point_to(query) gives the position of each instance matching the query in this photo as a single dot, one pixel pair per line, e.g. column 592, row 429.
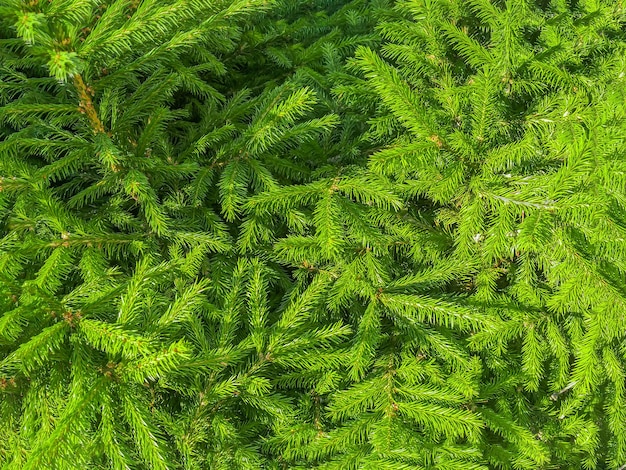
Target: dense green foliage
column 366, row 234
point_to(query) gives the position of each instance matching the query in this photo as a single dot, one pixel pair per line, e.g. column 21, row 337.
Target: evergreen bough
column 312, row 234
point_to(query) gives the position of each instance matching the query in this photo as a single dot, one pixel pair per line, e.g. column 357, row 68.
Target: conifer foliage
column 339, row 234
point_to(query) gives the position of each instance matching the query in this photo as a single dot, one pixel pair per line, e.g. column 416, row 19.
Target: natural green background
column 367, row 234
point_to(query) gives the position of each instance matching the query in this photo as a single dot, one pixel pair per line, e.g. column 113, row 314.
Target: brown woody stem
column 86, row 105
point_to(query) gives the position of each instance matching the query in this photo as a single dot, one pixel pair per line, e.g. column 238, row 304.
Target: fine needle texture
column 312, row 234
